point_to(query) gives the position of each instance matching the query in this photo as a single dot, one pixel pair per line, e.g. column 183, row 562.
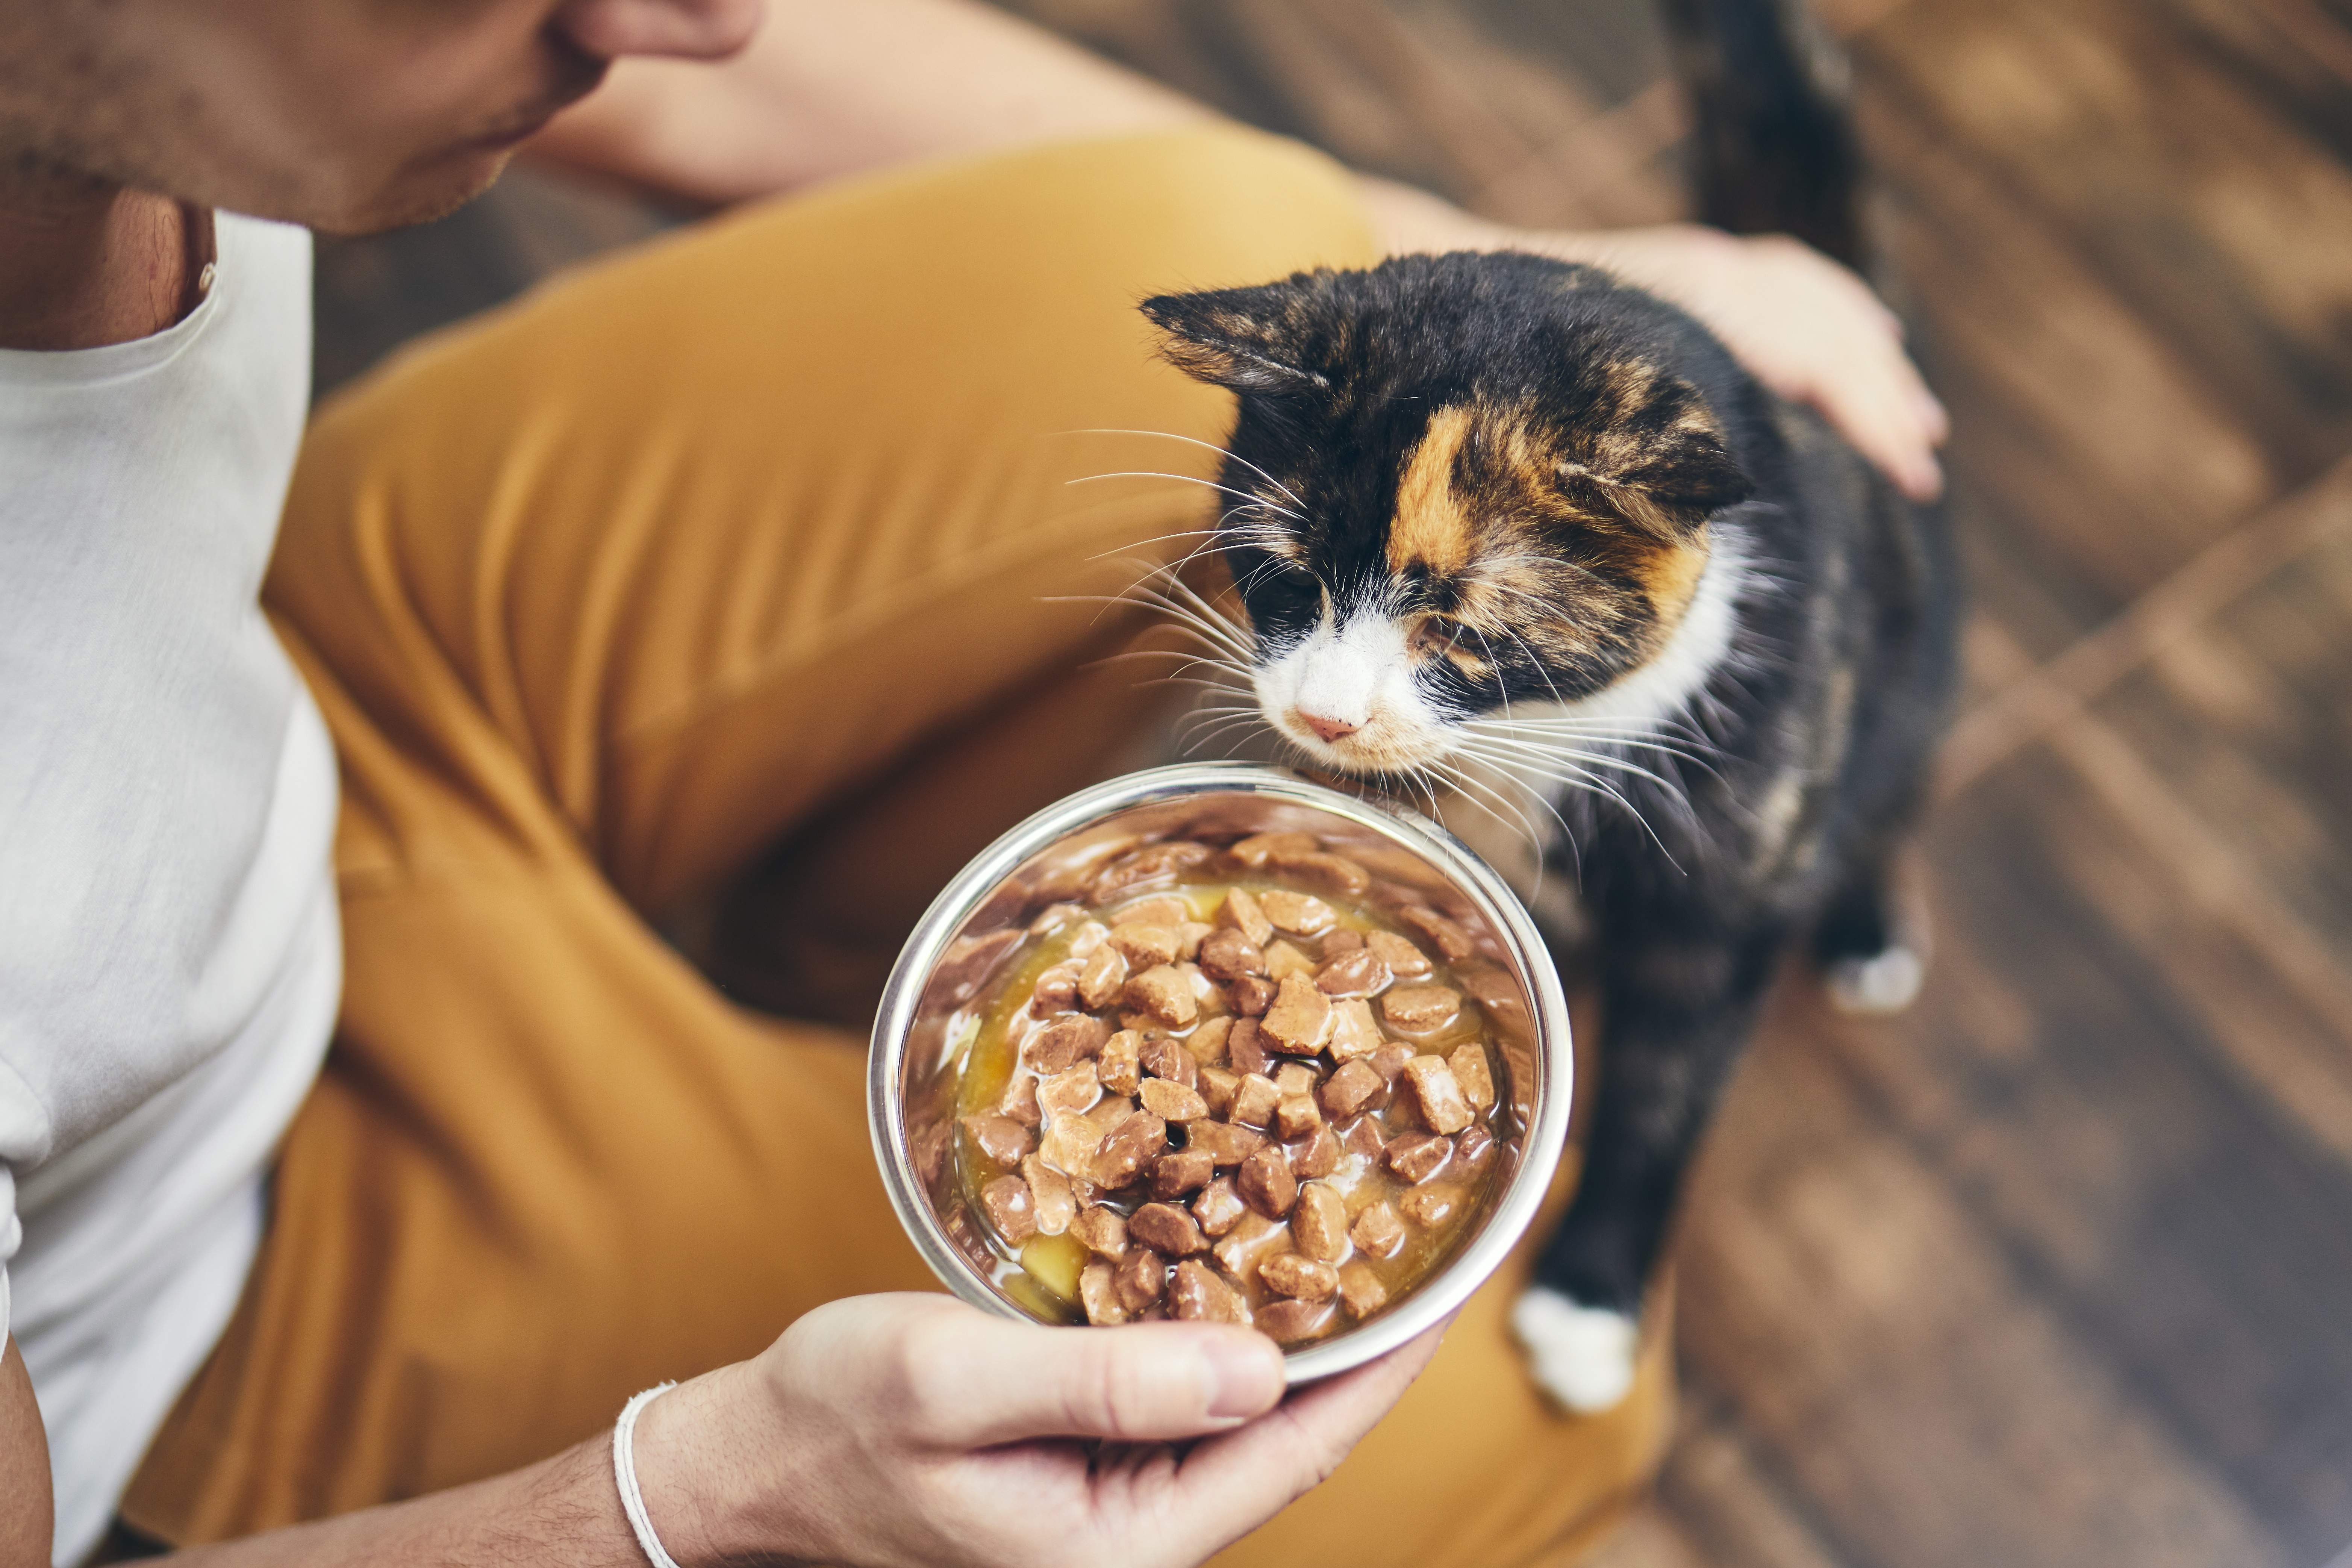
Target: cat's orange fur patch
column 1669, row 576
column 1431, row 526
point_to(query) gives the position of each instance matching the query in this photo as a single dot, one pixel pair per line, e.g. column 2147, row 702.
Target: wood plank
column 1903, row 1363
column 2179, row 187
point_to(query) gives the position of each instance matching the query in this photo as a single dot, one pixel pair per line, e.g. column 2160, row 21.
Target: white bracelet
column 624, row 1476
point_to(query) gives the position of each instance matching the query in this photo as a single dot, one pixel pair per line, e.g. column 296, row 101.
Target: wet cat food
column 1232, row 1085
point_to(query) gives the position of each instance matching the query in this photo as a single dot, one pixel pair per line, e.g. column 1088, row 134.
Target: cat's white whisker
column 1243, row 495
column 1209, row 445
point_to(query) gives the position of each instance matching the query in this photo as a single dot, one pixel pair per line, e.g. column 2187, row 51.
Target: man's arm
column 826, row 90
column 907, row 1431
column 28, row 1521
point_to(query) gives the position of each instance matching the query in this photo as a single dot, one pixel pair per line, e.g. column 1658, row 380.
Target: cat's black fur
column 1802, row 758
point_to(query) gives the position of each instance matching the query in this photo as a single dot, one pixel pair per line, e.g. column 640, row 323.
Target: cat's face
column 1475, row 483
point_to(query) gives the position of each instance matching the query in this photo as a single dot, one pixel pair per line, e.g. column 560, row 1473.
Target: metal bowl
column 983, row 916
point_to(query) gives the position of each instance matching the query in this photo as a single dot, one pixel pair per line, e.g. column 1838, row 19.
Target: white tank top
column 170, row 958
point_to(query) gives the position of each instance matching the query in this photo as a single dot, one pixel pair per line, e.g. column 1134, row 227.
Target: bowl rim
column 1545, row 1138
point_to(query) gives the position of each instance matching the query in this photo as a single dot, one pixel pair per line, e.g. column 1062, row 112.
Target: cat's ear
column 1663, row 466
column 1245, row 339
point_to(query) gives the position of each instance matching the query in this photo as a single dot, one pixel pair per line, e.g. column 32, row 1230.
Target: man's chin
column 419, row 195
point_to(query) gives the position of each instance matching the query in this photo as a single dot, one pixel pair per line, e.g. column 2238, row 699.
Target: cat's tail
column 1776, row 151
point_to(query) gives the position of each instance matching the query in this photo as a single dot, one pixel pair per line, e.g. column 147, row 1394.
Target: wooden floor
column 2057, row 1270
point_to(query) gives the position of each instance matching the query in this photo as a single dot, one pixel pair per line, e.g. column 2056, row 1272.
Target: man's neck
column 85, row 262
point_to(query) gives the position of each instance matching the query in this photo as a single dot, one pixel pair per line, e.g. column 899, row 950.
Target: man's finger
column 1230, row 1485
column 977, row 1380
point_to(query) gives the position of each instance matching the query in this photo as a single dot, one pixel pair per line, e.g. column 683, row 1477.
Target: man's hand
column 915, row 1430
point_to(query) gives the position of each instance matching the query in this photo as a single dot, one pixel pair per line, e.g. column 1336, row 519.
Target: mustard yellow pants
column 763, row 534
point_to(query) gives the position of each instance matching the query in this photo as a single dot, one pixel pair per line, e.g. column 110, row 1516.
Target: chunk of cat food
column 1198, row 1296
column 1438, row 1095
column 1058, row 990
column 1342, row 941
column 1103, row 979
column 1077, row 1089
column 1431, row 1206
column 1255, row 1099
column 1069, row 1144
column 1104, row 1230
column 1241, row 911
column 1227, row 1144
column 1287, row 1321
column 1451, row 940
column 1473, row 1148
column 1356, row 974
column 1154, row 865
column 1283, row 960
column 1109, row 1111
column 1160, row 911
column 1308, row 1279
column 1057, row 1204
column 1468, row 1061
column 1207, row 1042
column 1302, row 914
column 1416, row 1156
column 1142, row 1275
column 1010, row 1208
column 1298, row 1019
column 1295, row 1116
column 1059, row 1045
column 1353, row 1032
column 1180, row 1171
column 1001, row 1138
column 1246, row 1050
column 1238, row 1251
column 1227, row 955
column 1319, row 1224
column 1117, row 1067
column 1020, row 1101
column 1171, row 1101
column 1260, row 847
column 1379, row 1231
column 1166, row 1229
column 1360, row 1291
column 1364, row 1139
column 1189, row 936
column 1351, row 1089
column 1164, row 995
column 1402, row 957
column 1250, row 995
column 1219, row 1207
column 1098, row 1294
column 1295, row 1078
column 1419, row 1008
column 1216, row 1085
column 1333, row 874
column 1127, row 1149
column 1317, row 1155
column 1266, row 1184
column 1144, row 945
column 1390, row 1059
column 1164, row 1058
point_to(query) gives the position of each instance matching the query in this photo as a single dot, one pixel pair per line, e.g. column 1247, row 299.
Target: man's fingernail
column 1243, row 1380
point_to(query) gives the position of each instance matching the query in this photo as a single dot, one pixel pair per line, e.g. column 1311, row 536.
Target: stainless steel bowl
column 979, row 918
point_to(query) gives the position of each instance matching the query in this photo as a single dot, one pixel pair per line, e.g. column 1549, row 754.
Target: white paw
column 1582, row 1356
column 1885, row 983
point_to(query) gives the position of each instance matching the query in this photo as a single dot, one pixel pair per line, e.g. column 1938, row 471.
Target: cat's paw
column 1884, row 982
column 1581, row 1356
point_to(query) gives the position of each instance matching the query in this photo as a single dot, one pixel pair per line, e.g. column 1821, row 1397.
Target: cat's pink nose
column 1330, row 728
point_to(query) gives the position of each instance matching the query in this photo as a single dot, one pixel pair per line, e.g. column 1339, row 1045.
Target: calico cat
column 1507, row 524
